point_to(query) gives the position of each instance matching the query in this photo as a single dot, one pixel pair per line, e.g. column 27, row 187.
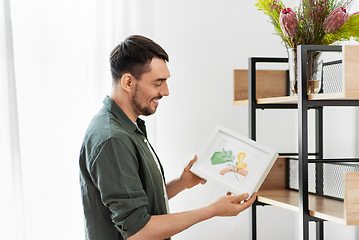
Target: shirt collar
column 120, row 114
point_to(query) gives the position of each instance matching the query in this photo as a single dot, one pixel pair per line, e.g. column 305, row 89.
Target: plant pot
column 314, row 71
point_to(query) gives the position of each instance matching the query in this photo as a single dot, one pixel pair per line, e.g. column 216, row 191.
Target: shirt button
column 145, row 140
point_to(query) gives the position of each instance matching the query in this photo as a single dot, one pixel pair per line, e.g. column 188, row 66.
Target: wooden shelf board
column 273, row 100
column 294, row 99
column 240, row 102
column 335, row 96
column 351, row 197
column 320, row 207
column 327, row 96
column 279, row 100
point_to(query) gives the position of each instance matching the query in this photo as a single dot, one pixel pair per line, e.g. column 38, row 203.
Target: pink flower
column 335, row 20
column 288, row 22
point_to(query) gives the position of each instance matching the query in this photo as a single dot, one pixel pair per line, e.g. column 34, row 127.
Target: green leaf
column 221, row 157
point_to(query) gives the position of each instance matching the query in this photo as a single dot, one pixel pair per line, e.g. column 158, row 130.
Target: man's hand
column 165, row 226
column 231, row 205
column 186, row 180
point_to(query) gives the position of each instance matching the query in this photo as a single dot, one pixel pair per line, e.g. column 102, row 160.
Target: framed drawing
column 233, row 161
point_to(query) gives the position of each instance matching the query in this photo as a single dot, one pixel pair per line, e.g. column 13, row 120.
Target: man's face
column 151, row 88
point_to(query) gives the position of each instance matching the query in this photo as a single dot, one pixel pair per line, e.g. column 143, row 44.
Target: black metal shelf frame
column 303, row 106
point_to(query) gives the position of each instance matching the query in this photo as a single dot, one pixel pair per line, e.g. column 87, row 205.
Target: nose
column 164, row 89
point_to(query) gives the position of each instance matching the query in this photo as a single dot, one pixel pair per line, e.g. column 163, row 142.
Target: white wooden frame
column 234, row 162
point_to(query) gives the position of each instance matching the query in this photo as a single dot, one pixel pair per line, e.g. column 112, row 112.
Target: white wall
column 206, row 40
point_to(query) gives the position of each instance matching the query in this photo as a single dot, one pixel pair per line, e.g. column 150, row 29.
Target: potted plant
column 314, row 22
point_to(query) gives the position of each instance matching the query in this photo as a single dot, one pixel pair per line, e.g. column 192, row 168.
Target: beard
column 141, row 110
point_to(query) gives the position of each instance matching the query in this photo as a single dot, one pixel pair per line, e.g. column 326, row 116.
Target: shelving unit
column 275, row 191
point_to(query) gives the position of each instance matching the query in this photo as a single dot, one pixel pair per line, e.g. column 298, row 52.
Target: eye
column 158, row 83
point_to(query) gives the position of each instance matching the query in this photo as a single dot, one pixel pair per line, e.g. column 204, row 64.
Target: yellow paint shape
column 241, row 165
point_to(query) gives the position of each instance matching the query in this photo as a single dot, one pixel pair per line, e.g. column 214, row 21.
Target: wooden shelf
column 271, row 84
column 271, row 88
column 273, row 100
column 320, row 207
column 274, row 192
column 294, row 99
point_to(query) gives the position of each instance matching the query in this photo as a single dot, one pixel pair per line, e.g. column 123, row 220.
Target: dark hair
column 133, row 56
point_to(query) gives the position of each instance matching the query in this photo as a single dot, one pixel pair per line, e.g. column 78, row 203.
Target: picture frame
column 234, row 162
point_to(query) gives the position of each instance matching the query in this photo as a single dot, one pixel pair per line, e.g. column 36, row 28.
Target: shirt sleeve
column 115, row 172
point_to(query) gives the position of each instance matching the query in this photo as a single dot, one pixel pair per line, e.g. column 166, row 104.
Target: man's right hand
column 165, row 226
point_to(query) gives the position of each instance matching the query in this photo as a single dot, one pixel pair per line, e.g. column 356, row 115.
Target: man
column 122, row 181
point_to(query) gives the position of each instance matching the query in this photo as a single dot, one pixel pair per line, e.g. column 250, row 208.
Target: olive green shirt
column 121, row 184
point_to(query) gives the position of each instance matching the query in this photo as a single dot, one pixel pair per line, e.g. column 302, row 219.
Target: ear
column 127, row 81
